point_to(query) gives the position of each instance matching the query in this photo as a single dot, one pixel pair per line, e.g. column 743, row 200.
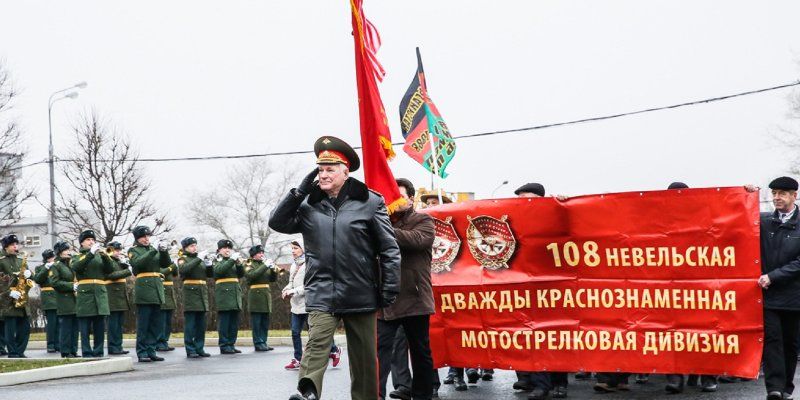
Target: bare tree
column 110, row 191
column 238, row 207
column 12, row 194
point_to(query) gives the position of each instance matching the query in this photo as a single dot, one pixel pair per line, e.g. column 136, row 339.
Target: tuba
column 23, row 285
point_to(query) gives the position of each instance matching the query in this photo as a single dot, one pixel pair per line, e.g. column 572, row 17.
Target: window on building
column 33, row 241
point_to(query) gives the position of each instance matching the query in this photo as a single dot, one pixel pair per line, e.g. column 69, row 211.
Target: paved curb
column 97, row 367
column 178, row 342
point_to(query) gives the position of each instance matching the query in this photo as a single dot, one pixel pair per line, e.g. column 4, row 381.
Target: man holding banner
column 780, row 255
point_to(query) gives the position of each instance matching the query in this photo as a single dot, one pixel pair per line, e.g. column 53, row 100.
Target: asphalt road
column 253, row 375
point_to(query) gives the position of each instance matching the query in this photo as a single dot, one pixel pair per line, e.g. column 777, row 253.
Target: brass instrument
column 23, row 284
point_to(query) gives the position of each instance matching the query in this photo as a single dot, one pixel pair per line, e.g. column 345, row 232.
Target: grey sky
column 206, row 78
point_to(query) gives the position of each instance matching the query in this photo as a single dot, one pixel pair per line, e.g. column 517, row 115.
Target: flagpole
column 435, row 162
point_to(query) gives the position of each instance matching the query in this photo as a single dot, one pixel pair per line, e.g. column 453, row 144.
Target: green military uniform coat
column 146, row 259
column 118, row 291
column 92, row 298
column 195, row 297
column 227, row 295
column 48, row 296
column 169, row 294
column 259, row 300
column 62, row 278
column 10, row 264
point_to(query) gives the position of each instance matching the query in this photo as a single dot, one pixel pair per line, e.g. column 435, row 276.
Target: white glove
column 124, row 260
column 270, row 262
column 207, row 262
column 202, row 254
column 94, row 248
column 75, row 286
column 163, row 245
column 14, row 294
column 48, row 265
column 130, row 268
column 236, row 256
column 27, row 273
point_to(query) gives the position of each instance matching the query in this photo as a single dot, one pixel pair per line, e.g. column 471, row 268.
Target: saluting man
column 91, row 265
column 62, row 278
column 18, row 326
column 194, row 269
column 146, row 262
column 168, row 308
column 228, row 295
column 118, row 302
column 259, row 298
column 48, row 297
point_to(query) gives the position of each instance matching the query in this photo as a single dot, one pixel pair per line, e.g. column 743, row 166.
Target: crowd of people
column 357, row 266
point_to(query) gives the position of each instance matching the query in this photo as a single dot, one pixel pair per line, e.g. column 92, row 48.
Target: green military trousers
column 360, row 330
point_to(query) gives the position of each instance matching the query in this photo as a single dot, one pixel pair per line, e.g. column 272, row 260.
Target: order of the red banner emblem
column 491, row 241
column 446, row 245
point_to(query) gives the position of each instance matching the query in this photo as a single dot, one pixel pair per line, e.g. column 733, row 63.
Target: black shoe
column 673, row 388
column 709, row 387
column 269, row 348
column 193, row 355
column 524, row 386
column 3, row 353
column 166, row 349
column 17, row 356
column 449, row 379
column 460, row 384
column 304, row 396
column 156, row 358
column 204, row 354
column 74, row 355
column 775, row 395
column 473, row 376
column 487, row 374
column 401, row 393
column 118, row 353
column 642, row 378
column 226, row 351
column 604, row 388
column 237, row 351
column 260, row 348
column 538, row 394
column 787, row 396
column 560, row 392
column 52, row 351
column 694, row 379
column 583, row 376
column 144, row 359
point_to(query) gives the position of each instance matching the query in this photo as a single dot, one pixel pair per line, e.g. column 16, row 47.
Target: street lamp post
column 51, row 160
column 498, row 187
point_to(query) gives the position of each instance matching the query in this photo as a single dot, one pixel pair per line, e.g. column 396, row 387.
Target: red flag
column 376, row 140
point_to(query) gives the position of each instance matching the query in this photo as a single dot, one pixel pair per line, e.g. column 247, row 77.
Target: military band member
column 194, row 269
column 168, row 308
column 17, row 324
column 48, row 298
column 118, row 302
column 228, row 295
column 147, row 262
column 91, row 265
column 259, row 298
column 62, row 278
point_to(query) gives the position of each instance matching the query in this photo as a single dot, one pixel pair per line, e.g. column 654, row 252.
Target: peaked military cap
column 783, row 183
column 224, row 243
column 332, row 150
column 115, row 245
column 535, row 188
column 60, row 247
column 678, row 185
column 256, row 249
column 186, row 242
column 48, row 254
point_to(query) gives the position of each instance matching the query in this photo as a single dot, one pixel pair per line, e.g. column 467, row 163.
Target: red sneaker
column 293, row 365
column 336, row 356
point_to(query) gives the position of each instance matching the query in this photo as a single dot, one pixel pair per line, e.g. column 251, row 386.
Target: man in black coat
column 352, row 265
column 780, row 266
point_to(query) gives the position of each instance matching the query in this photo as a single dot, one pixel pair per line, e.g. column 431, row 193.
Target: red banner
column 646, row 282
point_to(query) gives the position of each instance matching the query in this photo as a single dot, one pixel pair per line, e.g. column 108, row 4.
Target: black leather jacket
column 780, row 259
column 352, row 256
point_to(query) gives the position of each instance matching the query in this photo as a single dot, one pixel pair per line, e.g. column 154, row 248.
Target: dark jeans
column 17, row 333
column 115, row 322
column 299, row 322
column 148, row 322
column 166, row 330
column 780, row 349
column 2, row 336
column 94, row 327
column 416, row 333
column 51, row 329
column 259, row 322
column 401, row 374
column 194, row 331
column 68, row 335
column 228, row 328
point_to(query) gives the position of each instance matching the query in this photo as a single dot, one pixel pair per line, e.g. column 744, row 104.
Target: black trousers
column 416, row 332
column 401, row 373
column 780, row 349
